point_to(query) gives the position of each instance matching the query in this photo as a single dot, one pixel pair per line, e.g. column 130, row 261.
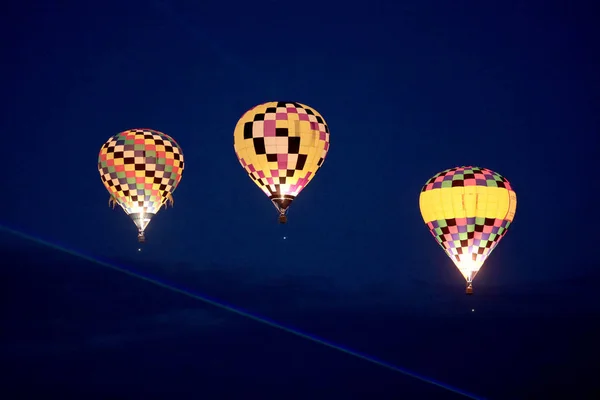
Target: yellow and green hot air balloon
column 140, row 168
column 281, row 145
column 468, row 211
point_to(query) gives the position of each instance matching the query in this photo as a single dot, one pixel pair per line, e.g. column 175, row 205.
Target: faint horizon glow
column 246, row 314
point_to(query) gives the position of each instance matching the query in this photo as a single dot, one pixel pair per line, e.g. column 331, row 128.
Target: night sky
column 408, row 89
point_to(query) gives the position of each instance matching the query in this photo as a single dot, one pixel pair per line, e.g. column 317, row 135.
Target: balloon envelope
column 281, row 145
column 468, row 210
column 140, row 168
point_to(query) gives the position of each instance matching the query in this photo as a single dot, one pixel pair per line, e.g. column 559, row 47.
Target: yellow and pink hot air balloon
column 281, row 145
column 468, row 210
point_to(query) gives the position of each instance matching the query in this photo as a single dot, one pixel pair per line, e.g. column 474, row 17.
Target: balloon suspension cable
column 112, row 202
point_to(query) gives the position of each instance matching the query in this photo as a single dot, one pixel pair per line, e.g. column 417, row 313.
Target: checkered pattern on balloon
column 281, row 145
column 468, row 210
column 141, row 168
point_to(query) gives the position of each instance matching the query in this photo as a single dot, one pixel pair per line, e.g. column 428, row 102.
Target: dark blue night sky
column 408, row 89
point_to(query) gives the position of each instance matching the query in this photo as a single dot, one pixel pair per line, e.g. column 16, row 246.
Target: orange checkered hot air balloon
column 281, row 145
column 468, row 210
column 140, row 168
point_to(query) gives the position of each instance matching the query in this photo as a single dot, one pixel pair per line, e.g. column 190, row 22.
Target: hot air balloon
column 281, row 145
column 468, row 211
column 140, row 168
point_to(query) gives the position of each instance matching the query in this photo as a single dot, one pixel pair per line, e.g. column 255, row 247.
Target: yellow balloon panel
column 469, row 201
column 281, row 145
